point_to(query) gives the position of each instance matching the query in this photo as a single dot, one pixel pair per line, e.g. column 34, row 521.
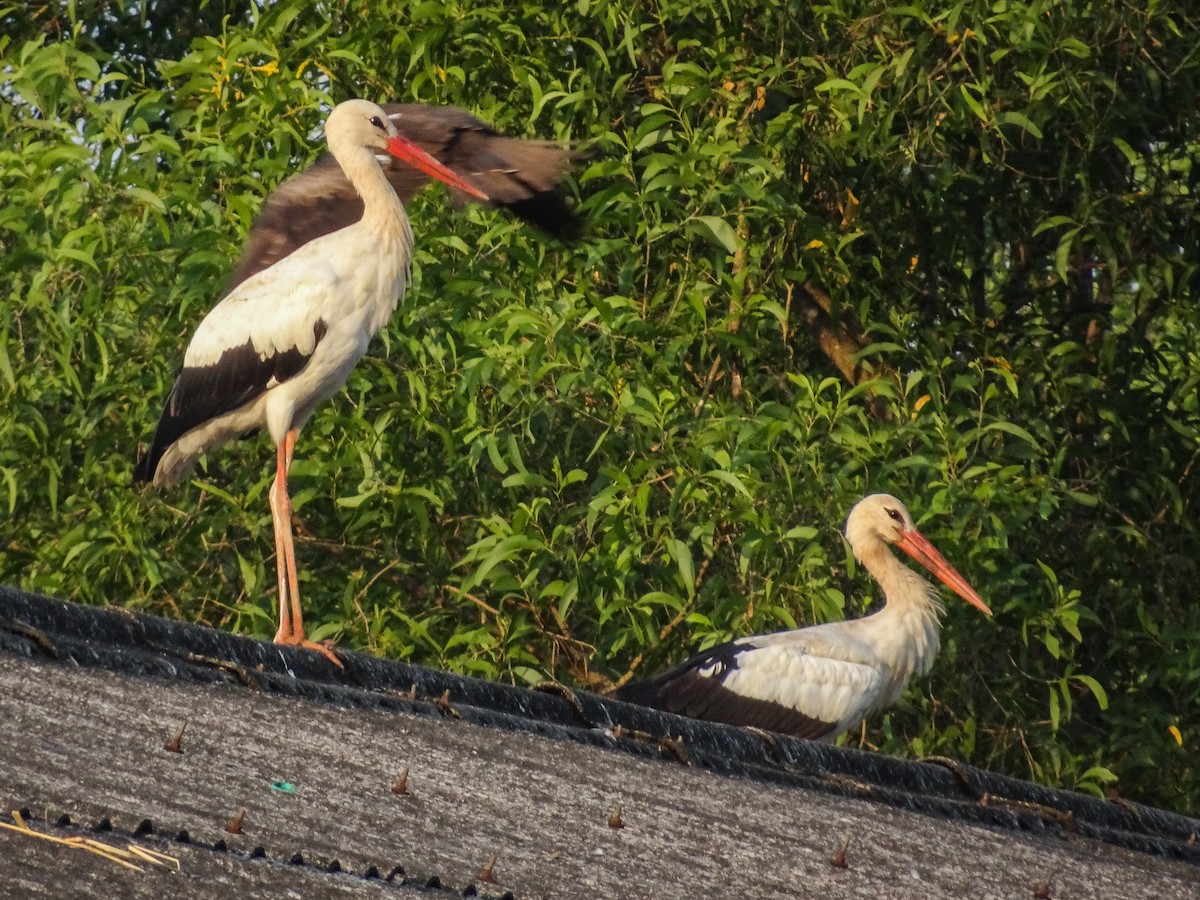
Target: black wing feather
column 203, row 393
column 683, row 690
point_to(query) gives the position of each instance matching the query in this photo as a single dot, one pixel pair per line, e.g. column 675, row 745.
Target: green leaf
column 1015, row 430
column 682, row 555
column 1021, row 121
column 719, row 231
column 1094, row 686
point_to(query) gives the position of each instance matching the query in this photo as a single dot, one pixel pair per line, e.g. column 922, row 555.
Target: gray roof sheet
column 88, row 697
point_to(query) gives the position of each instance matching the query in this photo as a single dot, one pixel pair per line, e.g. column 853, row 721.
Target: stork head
column 882, row 518
column 357, row 124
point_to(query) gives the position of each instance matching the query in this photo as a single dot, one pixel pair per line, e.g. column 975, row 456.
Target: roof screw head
column 235, row 824
column 175, row 744
column 401, row 785
column 1044, row 890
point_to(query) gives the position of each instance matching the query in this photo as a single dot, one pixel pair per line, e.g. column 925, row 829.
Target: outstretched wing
column 516, row 174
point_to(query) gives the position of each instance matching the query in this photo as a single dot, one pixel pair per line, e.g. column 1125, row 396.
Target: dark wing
column 318, row 201
column 700, row 689
column 203, row 393
column 248, row 343
column 518, row 175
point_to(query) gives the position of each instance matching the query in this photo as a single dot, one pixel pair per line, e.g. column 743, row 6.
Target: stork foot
column 299, row 640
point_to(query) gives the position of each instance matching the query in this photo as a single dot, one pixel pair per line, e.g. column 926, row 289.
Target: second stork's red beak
column 406, row 151
column 918, row 547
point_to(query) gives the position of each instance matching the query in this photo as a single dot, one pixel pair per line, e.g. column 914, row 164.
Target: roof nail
column 486, row 873
column 235, row 824
column 614, row 816
column 175, row 744
column 401, row 785
column 838, row 860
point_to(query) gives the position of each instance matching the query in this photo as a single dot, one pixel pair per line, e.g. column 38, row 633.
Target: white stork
column 820, row 681
column 286, row 338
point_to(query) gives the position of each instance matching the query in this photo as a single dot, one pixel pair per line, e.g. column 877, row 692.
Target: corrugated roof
column 88, row 697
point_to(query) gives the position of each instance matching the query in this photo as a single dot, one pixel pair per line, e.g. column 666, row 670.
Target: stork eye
column 378, row 123
column 894, row 515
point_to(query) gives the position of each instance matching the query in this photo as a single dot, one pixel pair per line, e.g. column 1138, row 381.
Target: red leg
column 281, row 517
column 291, row 621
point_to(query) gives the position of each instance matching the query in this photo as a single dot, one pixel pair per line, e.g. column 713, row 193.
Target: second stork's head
column 880, row 519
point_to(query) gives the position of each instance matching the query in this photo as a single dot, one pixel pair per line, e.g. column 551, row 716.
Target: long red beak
column 918, row 547
column 405, row 150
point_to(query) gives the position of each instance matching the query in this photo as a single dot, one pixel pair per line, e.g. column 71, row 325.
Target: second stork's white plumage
column 286, row 339
column 820, row 681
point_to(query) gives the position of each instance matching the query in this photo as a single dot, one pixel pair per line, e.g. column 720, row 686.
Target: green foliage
column 564, row 461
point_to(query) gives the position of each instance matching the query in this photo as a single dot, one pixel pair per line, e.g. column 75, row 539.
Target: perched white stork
column 820, row 681
column 519, row 175
column 286, row 338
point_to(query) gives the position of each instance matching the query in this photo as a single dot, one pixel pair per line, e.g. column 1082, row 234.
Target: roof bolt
column 838, row 860
column 401, row 785
column 175, row 744
column 235, row 825
column 614, row 816
column 1043, row 890
column 486, row 873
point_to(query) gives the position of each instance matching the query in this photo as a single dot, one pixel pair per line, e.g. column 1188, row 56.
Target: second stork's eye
column 894, row 515
column 378, row 123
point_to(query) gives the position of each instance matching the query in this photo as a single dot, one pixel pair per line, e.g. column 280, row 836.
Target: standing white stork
column 820, row 681
column 286, row 338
